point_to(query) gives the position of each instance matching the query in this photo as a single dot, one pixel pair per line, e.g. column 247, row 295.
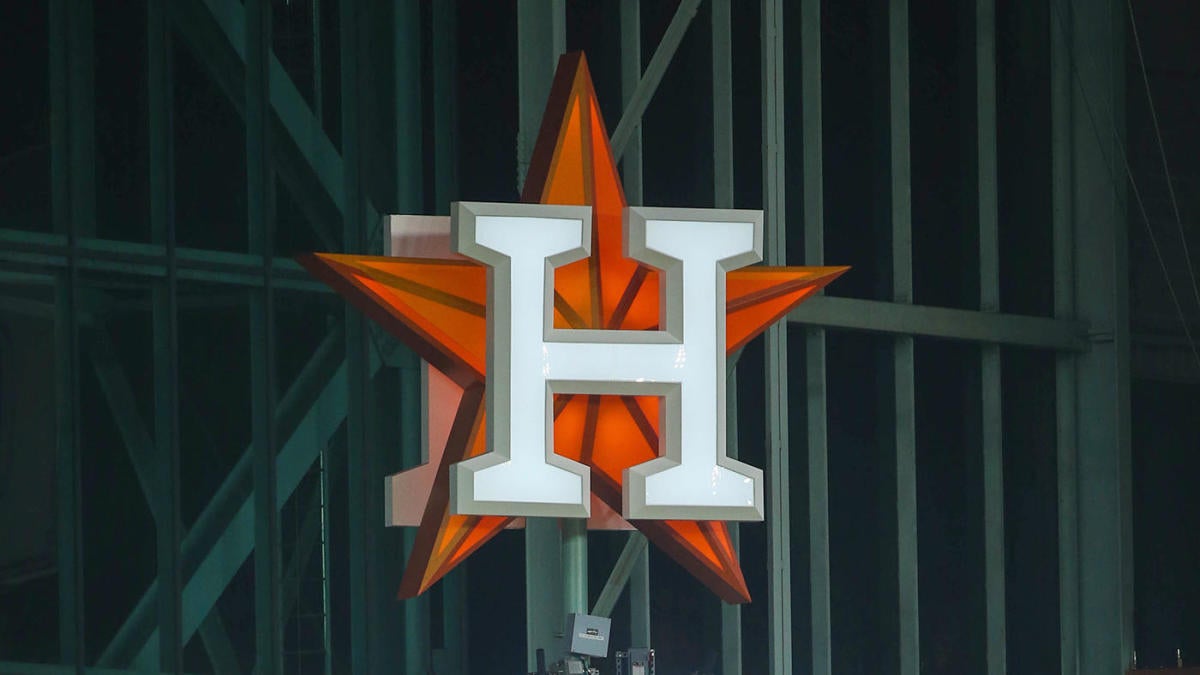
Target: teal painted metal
column 1065, row 367
column 631, row 553
column 541, row 39
column 445, row 105
column 41, row 251
column 222, row 537
column 903, row 318
column 363, row 649
column 410, row 403
column 907, row 601
column 816, row 390
column 72, row 166
column 631, row 118
column 166, row 342
column 991, row 413
column 142, row 450
column 639, row 601
column 575, row 566
column 731, row 615
column 778, row 512
column 543, row 588
column 631, row 75
column 260, row 187
column 1094, row 35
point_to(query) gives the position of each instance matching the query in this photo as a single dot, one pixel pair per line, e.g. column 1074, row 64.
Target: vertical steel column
column 1065, row 373
column 817, row 393
column 260, row 221
column 445, row 105
column 991, row 414
column 631, row 164
column 72, row 168
column 631, row 74
column 908, row 619
column 779, row 532
column 1096, row 34
column 541, row 38
column 574, row 562
column 722, row 77
column 166, row 342
column 354, row 240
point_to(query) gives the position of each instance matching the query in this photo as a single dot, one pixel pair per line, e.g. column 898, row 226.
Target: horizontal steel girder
column 942, row 322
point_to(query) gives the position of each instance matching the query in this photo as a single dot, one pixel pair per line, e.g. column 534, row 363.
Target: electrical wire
column 1162, row 153
column 1129, row 174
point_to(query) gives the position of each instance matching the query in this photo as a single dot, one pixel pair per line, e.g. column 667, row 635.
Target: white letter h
column 529, row 361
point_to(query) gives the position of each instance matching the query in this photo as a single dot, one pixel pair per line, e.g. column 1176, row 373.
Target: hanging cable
column 1162, row 153
column 1132, row 183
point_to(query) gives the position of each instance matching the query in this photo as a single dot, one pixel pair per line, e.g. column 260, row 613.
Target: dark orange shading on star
column 438, row 309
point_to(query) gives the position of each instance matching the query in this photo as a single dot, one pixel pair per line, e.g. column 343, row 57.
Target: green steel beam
column 991, row 412
column 731, row 614
column 1065, row 364
column 217, row 38
column 631, row 75
column 778, row 492
column 41, row 251
column 19, row 668
column 260, row 219
column 816, row 389
column 631, row 118
column 634, row 547
column 363, row 631
column 1095, row 40
column 902, row 318
column 541, row 39
column 907, row 600
column 445, row 105
column 72, row 166
column 165, row 292
column 219, row 540
column 142, row 450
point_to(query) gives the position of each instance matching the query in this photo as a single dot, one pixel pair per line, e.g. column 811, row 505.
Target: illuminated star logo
column 438, row 307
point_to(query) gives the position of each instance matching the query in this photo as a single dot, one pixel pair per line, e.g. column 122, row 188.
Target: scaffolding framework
column 353, row 373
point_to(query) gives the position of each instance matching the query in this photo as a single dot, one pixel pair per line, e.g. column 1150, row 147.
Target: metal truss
column 1088, row 332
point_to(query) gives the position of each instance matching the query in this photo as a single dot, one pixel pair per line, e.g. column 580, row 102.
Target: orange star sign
column 619, row 433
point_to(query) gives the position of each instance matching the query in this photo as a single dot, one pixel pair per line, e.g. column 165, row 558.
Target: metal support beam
column 631, row 76
column 72, row 165
column 908, row 616
column 991, row 414
column 260, row 198
column 631, row 118
column 1064, row 369
column 635, row 546
column 731, row 615
column 779, row 532
column 142, row 455
column 49, row 252
column 166, row 343
column 445, row 106
column 905, row 319
column 575, row 565
column 814, row 337
column 1093, row 37
column 222, row 537
column 541, row 39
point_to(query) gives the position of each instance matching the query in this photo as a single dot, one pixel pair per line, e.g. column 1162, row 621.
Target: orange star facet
column 438, row 308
